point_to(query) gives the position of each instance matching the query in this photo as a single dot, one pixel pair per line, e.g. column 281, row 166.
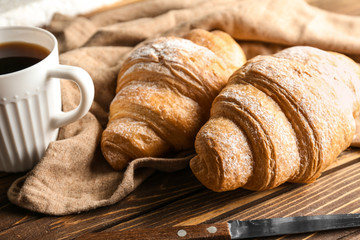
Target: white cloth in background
column 40, row 12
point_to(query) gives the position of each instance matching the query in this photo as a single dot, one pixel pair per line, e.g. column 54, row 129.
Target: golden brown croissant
column 164, row 93
column 284, row 117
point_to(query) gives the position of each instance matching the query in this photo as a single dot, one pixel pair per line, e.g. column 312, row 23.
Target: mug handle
column 86, row 86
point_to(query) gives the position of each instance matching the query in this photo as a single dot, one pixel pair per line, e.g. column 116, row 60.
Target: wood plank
column 333, row 193
column 159, row 190
column 10, row 214
column 209, row 207
column 165, row 199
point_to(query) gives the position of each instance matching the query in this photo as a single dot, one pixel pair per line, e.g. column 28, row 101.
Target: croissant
column 284, row 117
column 164, row 94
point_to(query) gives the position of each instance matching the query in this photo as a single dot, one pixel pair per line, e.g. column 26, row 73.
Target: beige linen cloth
column 73, row 175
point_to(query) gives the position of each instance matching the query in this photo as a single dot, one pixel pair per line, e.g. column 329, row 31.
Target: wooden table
column 178, row 199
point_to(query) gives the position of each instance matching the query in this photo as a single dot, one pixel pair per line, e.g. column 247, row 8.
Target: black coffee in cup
column 15, row 56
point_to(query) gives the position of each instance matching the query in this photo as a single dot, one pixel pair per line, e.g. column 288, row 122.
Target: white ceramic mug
column 30, row 101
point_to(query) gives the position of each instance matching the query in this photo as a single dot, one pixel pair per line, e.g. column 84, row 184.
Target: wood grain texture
column 159, row 190
column 168, row 200
column 178, row 199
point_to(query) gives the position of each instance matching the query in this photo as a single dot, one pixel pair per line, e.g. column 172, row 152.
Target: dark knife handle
column 196, row 232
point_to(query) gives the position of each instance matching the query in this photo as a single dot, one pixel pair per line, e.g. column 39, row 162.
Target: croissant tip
column 114, row 156
column 206, row 176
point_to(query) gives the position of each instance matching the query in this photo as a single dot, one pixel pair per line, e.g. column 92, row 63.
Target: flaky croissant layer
column 164, row 93
column 284, row 117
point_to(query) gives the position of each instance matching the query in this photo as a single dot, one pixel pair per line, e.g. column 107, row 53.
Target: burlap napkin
column 73, row 176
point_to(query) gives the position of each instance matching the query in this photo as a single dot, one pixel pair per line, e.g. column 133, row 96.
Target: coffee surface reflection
column 15, row 56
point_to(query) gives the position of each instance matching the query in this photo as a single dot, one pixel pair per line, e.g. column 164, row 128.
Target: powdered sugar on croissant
column 284, row 117
column 164, row 93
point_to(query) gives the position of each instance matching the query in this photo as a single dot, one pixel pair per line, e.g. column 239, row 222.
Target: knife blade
column 236, row 229
column 291, row 225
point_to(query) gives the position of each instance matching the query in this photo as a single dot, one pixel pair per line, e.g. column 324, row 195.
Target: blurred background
column 40, row 12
